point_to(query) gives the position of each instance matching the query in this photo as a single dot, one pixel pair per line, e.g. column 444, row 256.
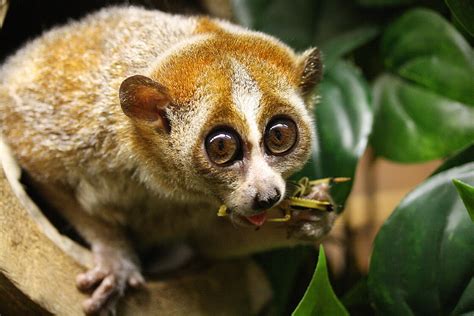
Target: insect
column 305, row 194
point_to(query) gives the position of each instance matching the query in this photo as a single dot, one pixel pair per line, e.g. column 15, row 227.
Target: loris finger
column 102, row 296
column 88, row 280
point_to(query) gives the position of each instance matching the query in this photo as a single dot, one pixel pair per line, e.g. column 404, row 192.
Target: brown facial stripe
column 208, row 64
column 246, row 43
column 271, row 106
column 221, row 179
column 220, row 116
column 271, row 84
column 181, row 72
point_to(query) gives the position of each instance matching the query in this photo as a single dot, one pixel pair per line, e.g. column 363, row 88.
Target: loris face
column 253, row 142
column 237, row 126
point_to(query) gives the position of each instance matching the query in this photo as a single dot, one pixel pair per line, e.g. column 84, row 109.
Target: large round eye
column 223, row 147
column 280, row 136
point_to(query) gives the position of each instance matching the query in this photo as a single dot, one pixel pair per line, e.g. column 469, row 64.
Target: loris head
column 227, row 116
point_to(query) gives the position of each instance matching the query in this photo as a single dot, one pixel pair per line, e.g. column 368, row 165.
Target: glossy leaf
column 303, row 23
column 343, row 124
column 463, row 10
column 466, row 192
column 441, row 77
column 336, row 48
column 423, row 257
column 423, row 33
column 429, row 115
column 414, row 125
column 293, row 23
column 461, row 157
column 282, row 267
column 319, row 299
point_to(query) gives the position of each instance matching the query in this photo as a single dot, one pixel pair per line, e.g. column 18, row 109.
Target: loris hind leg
column 116, row 264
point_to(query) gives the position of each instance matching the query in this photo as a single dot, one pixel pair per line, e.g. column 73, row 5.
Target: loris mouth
column 257, row 220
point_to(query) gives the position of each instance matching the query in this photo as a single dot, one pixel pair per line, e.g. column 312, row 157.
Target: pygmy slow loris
column 137, row 125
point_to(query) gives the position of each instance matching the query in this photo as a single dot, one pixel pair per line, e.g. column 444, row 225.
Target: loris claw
column 107, row 281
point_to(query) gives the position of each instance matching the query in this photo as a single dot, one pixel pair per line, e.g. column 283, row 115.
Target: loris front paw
column 311, row 225
column 108, row 280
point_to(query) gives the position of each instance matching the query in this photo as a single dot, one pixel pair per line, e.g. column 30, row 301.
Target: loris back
column 59, row 94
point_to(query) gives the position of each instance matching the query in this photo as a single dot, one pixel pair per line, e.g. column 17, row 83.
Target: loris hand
column 108, row 280
column 309, row 224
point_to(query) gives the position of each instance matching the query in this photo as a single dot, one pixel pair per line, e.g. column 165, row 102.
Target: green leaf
column 357, row 296
column 302, row 24
column 461, row 157
column 441, row 77
column 463, row 11
column 343, row 124
column 293, row 23
column 424, row 33
column 413, row 124
column 319, row 298
column 342, row 44
column 423, row 258
column 428, row 115
column 282, row 267
column 466, row 192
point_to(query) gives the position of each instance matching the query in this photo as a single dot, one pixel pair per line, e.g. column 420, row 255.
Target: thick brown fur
column 148, row 173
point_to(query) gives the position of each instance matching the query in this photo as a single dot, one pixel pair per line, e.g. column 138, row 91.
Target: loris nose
column 266, row 203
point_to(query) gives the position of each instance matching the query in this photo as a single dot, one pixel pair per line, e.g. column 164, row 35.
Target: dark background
column 26, row 19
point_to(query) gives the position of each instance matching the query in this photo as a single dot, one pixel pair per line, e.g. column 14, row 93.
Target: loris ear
column 144, row 99
column 311, row 70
